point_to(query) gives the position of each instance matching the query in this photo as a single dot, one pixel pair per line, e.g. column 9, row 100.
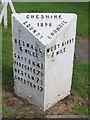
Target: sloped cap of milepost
column 44, row 26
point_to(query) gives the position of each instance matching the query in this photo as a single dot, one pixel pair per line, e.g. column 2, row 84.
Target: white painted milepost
column 43, row 52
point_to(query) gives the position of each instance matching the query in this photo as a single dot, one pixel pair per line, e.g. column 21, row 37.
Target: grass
column 81, row 109
column 80, row 75
column 7, row 112
column 0, row 7
column 80, row 79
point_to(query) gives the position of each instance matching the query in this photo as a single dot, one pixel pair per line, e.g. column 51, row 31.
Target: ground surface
column 81, row 48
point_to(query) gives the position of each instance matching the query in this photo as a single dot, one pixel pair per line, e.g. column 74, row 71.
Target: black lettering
column 37, row 16
column 15, row 76
column 62, row 44
column 27, row 16
column 32, row 77
column 19, row 42
column 21, row 72
column 41, row 37
column 34, row 85
column 15, row 55
column 38, row 34
column 29, row 61
column 67, row 42
column 57, row 52
column 32, row 16
column 42, row 66
column 51, row 48
column 58, row 45
column 24, row 22
column 29, row 52
column 65, row 22
column 21, row 49
column 28, row 76
column 21, row 79
column 31, row 69
column 18, row 71
column 28, row 25
column 41, row 88
column 15, row 70
column 18, row 78
column 55, row 31
column 27, row 44
column 31, row 28
column 34, row 31
column 34, row 71
column 38, row 65
column 25, row 66
column 72, row 39
column 42, row 74
column 47, row 16
column 33, row 63
column 46, row 24
column 59, row 16
column 28, row 68
column 42, row 16
column 25, row 73
column 48, row 49
column 64, row 50
column 49, row 37
column 15, row 40
column 25, row 50
column 38, row 72
column 22, row 65
column 61, row 51
column 32, row 46
column 52, row 54
column 25, row 59
column 58, row 28
column 19, row 64
column 34, row 54
column 37, row 79
column 55, row 47
column 38, row 87
column 23, row 43
column 24, row 81
column 52, row 34
column 30, row 84
column 55, row 16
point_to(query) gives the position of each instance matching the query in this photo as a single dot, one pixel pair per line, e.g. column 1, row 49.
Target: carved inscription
column 29, row 70
column 59, row 48
column 43, row 24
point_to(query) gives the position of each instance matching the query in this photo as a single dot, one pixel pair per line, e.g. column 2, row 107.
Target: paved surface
column 81, row 50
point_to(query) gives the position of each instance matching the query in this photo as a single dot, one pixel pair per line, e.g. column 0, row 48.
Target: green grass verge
column 80, row 79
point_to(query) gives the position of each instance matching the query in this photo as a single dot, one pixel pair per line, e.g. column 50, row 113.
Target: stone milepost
column 43, row 51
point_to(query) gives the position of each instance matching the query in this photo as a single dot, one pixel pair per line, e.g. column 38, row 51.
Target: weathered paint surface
column 43, row 51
